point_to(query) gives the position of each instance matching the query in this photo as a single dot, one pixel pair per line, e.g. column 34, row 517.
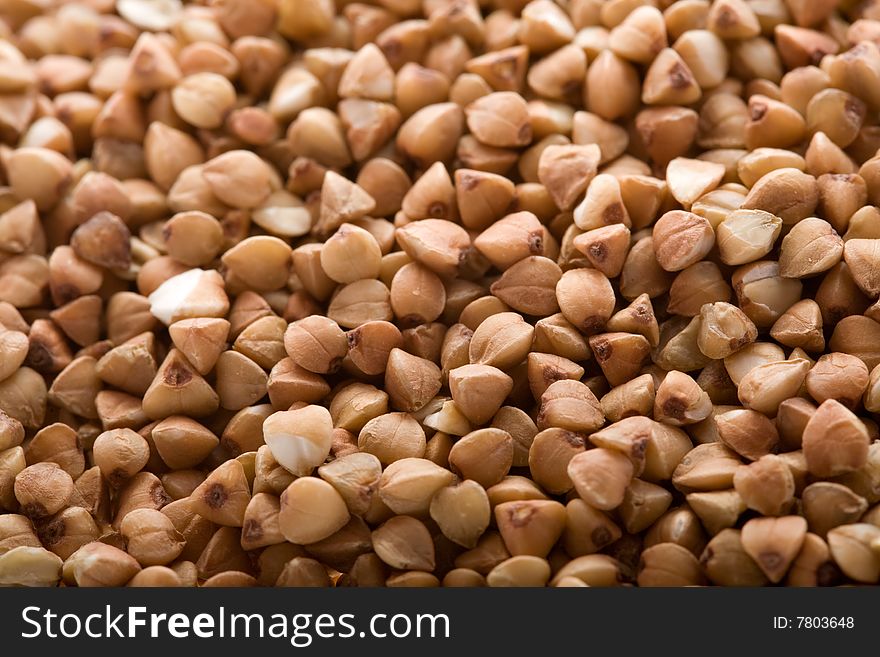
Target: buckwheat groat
column 304, row 293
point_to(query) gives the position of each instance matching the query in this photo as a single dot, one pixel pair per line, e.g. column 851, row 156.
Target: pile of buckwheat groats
column 439, row 292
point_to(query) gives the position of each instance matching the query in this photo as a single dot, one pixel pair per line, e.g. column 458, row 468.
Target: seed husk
column 42, row 489
column 681, row 239
column 530, row 527
column 859, row 255
column 370, row 344
column 679, row 400
column 811, row 247
column 849, row 548
column 834, row 440
column 602, row 205
column 408, row 485
column 668, row 564
column 57, row 443
column 223, row 553
column 29, row 566
column 462, row 512
column 569, row 405
column 726, row 562
column 404, row 542
column 688, row 180
column 813, row 566
column 587, row 530
column 585, row 298
column 131, row 366
column 711, row 466
column 592, row 570
column 392, row 436
column 749, row 433
column 151, row 537
column 299, row 439
column 530, row 286
column 766, row 386
column 502, row 340
column 411, row 381
column 566, row 171
column 223, row 496
column 355, row 405
column 643, row 503
column 520, row 570
column 513, row 488
column 695, row 286
column 838, row 376
column 192, row 294
column 240, row 381
column 48, row 352
column 724, row 329
column 485, row 456
column 311, row 510
column 767, row 485
column 355, row 477
column 633, row 398
column 260, row 527
column 827, row 505
column 717, row 510
column 601, row 477
column 800, row 326
column 99, row 564
column 774, row 543
column 120, row 454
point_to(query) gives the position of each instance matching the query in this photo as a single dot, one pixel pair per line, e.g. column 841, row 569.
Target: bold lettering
column 178, row 626
column 134, row 622
column 203, row 626
column 154, row 623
